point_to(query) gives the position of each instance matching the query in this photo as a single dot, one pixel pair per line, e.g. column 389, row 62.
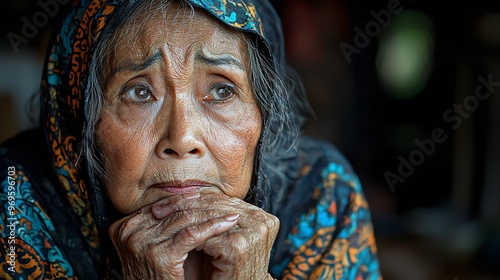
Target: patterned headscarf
column 65, row 83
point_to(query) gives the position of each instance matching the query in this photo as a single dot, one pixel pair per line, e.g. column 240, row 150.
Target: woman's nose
column 182, row 137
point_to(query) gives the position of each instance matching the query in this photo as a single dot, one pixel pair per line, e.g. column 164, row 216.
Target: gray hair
column 281, row 102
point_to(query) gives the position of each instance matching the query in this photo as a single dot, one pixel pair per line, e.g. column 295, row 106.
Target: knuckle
column 192, row 234
column 234, row 200
column 118, row 228
column 211, row 213
column 268, row 219
column 122, row 229
column 154, row 253
column 262, row 228
column 181, row 216
column 258, row 214
column 273, row 221
column 114, row 229
column 240, row 244
column 135, row 242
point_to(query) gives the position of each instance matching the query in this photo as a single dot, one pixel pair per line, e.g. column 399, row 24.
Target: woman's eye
column 138, row 94
column 221, row 93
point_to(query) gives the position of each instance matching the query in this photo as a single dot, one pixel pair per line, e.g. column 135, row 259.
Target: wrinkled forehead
column 172, row 28
column 243, row 16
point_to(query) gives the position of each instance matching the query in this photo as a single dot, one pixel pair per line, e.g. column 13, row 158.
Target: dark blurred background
column 408, row 90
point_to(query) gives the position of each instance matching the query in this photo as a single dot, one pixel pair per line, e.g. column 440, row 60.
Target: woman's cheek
column 234, row 143
column 122, row 183
column 124, row 152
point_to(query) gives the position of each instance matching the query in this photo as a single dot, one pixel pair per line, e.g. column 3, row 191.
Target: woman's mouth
column 182, row 187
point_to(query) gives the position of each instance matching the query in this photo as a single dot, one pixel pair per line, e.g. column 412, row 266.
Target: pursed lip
column 182, row 187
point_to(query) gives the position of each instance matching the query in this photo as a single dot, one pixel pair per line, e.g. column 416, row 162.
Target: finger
column 122, row 229
column 235, row 256
column 177, row 221
column 191, row 237
column 219, row 202
column 208, row 206
column 169, row 205
column 195, row 235
column 228, row 251
column 145, row 218
column 242, row 251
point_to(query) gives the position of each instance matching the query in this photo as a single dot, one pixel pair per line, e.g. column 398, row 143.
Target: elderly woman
column 169, row 149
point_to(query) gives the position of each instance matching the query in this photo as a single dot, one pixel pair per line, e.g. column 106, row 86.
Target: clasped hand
column 193, row 236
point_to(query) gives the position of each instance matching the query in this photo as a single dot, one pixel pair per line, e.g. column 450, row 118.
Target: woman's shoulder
column 323, row 188
column 323, row 215
column 326, row 182
column 37, row 226
column 322, row 165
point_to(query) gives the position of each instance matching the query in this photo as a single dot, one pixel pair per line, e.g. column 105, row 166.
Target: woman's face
column 179, row 113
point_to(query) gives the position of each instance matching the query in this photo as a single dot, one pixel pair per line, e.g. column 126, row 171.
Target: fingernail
column 160, row 208
column 191, row 195
column 231, row 217
column 159, row 211
column 162, row 203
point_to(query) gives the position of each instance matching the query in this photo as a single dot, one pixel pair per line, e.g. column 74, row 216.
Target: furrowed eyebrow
column 219, row 61
column 137, row 67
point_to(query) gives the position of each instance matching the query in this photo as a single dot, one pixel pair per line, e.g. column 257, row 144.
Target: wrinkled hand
column 234, row 237
column 242, row 252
